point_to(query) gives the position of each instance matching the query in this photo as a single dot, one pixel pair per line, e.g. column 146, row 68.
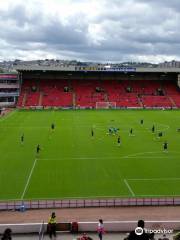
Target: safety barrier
column 85, row 203
column 110, row 226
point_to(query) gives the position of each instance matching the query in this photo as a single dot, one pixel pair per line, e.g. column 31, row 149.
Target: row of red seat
column 84, row 93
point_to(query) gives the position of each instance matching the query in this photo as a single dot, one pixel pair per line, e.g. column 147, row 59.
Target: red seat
column 50, row 92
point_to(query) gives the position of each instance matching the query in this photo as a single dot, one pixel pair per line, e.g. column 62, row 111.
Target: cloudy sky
column 93, row 30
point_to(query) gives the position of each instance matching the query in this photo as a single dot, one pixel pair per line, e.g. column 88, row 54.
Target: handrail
column 83, row 203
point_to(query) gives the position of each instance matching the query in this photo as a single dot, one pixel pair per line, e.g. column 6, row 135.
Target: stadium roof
column 96, row 69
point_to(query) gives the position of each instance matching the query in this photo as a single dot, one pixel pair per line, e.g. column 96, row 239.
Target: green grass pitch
column 73, row 164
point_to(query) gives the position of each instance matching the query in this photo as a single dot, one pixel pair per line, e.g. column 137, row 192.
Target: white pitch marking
column 153, row 179
column 129, row 188
column 158, row 195
column 81, row 158
column 143, row 153
column 91, row 197
column 140, row 153
column 165, row 125
column 29, row 178
column 7, row 116
column 91, row 158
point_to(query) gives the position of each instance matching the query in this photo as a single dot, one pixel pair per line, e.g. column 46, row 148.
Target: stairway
column 106, row 99
column 172, row 101
column 74, row 100
column 140, row 102
column 40, row 99
column 24, row 99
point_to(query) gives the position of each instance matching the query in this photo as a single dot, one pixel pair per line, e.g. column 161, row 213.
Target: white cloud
column 142, row 30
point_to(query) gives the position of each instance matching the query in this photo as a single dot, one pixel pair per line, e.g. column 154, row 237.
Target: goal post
column 105, row 105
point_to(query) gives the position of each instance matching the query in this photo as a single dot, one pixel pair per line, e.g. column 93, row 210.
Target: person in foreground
column 7, row 234
column 52, row 226
column 135, row 235
column 100, row 229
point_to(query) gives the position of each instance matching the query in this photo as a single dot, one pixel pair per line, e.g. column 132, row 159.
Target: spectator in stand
column 100, row 229
column 143, row 236
column 7, row 234
column 52, row 225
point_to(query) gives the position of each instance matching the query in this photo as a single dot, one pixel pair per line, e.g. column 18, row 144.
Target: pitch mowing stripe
column 158, row 195
column 76, row 158
column 91, row 158
column 153, row 179
column 29, row 178
column 69, row 198
column 143, row 155
column 100, row 197
column 92, row 197
column 129, row 188
column 154, row 157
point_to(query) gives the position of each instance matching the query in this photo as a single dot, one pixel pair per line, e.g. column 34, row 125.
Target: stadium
column 89, row 120
column 80, row 162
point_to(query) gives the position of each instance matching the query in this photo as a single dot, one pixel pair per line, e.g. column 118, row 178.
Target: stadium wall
column 110, row 226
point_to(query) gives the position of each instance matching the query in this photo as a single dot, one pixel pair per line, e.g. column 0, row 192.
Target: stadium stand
column 85, row 94
column 44, row 93
column 9, row 89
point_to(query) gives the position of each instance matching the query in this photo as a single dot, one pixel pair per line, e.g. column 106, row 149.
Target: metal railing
column 85, row 203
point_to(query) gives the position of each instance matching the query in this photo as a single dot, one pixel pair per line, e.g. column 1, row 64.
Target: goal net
column 105, row 105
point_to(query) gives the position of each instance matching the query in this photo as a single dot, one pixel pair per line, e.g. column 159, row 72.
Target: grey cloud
column 173, row 4
column 131, row 29
column 34, row 30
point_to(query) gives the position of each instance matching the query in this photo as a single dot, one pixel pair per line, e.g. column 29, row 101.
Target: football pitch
column 73, row 164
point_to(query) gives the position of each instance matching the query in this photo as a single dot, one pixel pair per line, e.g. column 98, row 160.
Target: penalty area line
column 154, row 179
column 29, row 178
column 129, row 188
